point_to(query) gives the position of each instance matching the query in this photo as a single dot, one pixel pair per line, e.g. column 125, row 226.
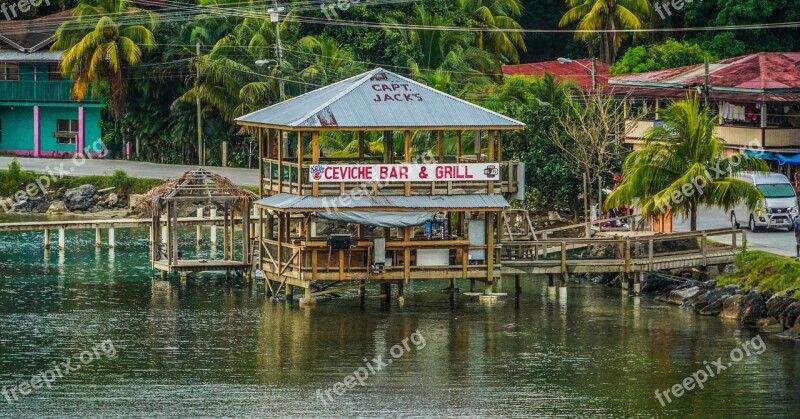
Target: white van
column 779, row 207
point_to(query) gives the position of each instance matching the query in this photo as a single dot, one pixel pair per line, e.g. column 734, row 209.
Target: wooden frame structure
column 292, row 253
column 199, row 187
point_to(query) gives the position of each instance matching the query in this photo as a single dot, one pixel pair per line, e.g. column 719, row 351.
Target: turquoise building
column 38, row 116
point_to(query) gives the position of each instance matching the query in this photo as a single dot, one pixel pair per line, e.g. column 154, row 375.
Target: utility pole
column 275, row 17
column 594, row 74
column 706, row 82
column 200, row 152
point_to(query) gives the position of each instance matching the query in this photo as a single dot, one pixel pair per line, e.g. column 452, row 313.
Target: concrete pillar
column 199, row 226
column 111, row 238
column 98, row 237
column 61, row 238
column 213, row 227
column 47, row 238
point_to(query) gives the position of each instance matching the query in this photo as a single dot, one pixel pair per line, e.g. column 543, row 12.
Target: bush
column 122, row 182
column 765, row 271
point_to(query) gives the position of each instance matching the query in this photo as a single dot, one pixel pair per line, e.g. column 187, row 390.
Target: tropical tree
column 104, row 38
column 324, row 61
column 605, row 15
column 498, row 15
column 683, row 165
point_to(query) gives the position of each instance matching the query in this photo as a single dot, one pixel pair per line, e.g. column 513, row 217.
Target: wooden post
column 408, row 159
column 213, row 214
column 246, row 236
column 458, row 145
column 517, row 286
column 489, row 252
column 261, row 162
column 407, row 253
column 168, row 235
column 299, row 162
column 499, row 141
column 47, row 238
column 111, row 243
column 280, row 160
column 289, row 293
column 174, row 216
column 361, row 146
column 551, row 280
column 61, row 238
column 98, row 237
column 199, row 226
column 315, row 159
column 477, row 144
column 490, row 158
column 307, row 300
column 225, row 237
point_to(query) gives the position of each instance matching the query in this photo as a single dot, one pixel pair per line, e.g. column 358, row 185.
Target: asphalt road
column 89, row 167
column 780, row 241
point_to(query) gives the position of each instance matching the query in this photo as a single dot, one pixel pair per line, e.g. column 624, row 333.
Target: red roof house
column 577, row 70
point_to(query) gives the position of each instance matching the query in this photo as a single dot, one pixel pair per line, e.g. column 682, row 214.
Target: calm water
column 213, row 347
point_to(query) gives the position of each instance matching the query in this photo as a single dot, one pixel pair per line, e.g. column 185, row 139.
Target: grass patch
column 14, row 180
column 765, row 271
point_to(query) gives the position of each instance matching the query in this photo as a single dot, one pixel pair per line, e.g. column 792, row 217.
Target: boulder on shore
column 777, row 304
column 732, row 308
column 789, row 316
column 57, row 207
column 793, row 333
column 80, row 198
column 680, row 296
column 659, row 284
column 713, row 297
column 753, row 308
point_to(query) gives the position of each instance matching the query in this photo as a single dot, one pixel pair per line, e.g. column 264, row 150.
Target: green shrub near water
column 765, row 271
column 14, row 180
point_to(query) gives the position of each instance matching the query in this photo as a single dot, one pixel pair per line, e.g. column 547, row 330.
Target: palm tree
column 683, row 165
column 324, row 61
column 609, row 15
column 497, row 14
column 96, row 48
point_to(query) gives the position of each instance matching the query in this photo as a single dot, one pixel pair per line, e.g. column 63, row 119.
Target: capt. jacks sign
column 404, row 172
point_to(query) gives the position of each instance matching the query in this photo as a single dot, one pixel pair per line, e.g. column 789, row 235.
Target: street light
column 592, row 71
column 262, row 63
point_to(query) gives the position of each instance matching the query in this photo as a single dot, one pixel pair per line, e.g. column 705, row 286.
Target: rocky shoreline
column 778, row 314
column 82, row 200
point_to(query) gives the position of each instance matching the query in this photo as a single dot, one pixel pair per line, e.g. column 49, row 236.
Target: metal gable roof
column 374, row 100
column 284, row 201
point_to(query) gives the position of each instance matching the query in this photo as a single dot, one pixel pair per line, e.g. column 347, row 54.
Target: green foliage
column 670, row 54
column 766, row 272
column 680, row 155
column 121, row 181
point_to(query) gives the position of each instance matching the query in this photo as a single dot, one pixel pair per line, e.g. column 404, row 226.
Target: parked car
column 779, row 208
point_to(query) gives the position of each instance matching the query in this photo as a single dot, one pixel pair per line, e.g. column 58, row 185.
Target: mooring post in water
column 98, row 237
column 564, row 279
column 111, row 238
column 517, row 286
column 47, row 238
column 61, row 238
column 637, row 286
column 307, row 300
column 401, row 295
column 362, row 292
column 200, row 226
column 472, row 285
column 289, row 293
column 551, row 280
column 213, row 227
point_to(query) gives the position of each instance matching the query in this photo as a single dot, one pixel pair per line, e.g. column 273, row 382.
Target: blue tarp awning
column 781, row 158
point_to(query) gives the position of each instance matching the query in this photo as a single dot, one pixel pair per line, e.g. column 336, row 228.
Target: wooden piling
column 61, row 238
column 199, row 227
column 213, row 237
column 517, row 286
column 111, row 243
column 47, row 238
column 98, row 237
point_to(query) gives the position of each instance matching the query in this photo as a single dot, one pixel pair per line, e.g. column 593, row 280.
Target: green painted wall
column 17, row 128
column 17, row 125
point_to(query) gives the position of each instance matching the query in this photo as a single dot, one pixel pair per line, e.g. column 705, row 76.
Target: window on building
column 66, row 131
column 54, row 72
column 9, row 71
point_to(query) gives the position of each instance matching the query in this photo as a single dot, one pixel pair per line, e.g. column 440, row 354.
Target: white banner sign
column 408, row 172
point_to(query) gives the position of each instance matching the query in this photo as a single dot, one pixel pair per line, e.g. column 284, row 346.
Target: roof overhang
column 295, row 203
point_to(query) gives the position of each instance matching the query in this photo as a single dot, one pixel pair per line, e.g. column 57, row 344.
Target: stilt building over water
column 346, row 203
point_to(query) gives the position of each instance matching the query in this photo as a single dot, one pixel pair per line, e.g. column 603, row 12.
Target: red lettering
column 387, row 98
column 395, row 86
column 383, row 172
column 377, row 98
column 376, row 87
column 386, row 87
column 398, row 97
